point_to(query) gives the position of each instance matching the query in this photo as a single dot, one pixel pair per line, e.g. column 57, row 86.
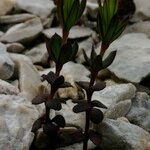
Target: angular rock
column 132, row 61
column 6, row 6
column 17, row 18
column 115, row 93
column 15, row 47
column 118, row 110
column 17, row 116
column 142, row 9
column 6, row 64
column 7, row 88
column 140, row 111
column 29, row 79
column 23, row 32
column 75, row 32
column 38, row 54
column 40, row 8
column 121, row 135
column 1, row 33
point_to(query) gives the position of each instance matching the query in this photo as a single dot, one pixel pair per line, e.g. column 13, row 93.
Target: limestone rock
column 118, row 110
column 17, row 116
column 40, row 8
column 121, row 135
column 115, row 93
column 17, row 18
column 7, row 88
column 132, row 61
column 29, row 79
column 23, row 32
column 6, row 64
column 140, row 111
column 6, row 6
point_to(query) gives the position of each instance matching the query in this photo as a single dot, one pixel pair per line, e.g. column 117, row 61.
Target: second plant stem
column 87, row 124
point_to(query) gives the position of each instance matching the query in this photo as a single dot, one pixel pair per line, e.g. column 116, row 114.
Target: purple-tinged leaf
column 96, row 103
column 96, row 116
column 54, row 104
column 65, row 85
column 40, row 99
column 59, row 120
column 98, row 86
column 95, row 137
column 84, row 85
column 37, row 125
column 81, row 107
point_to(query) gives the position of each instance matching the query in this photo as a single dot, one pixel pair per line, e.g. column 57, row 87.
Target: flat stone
column 15, row 47
column 38, row 54
column 17, row 116
column 17, row 18
column 23, row 32
column 6, row 6
column 118, row 110
column 132, row 61
column 29, row 79
column 7, row 88
column 115, row 93
column 6, row 64
column 121, row 135
column 75, row 32
column 140, row 111
column 40, row 8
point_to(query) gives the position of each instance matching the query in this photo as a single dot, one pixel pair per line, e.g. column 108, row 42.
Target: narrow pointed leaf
column 97, row 63
column 40, row 99
column 65, row 85
column 37, row 125
column 87, row 60
column 96, row 116
column 96, row 103
column 109, row 60
column 95, row 137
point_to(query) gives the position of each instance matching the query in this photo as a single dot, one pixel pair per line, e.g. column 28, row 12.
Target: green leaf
column 54, row 46
column 109, row 59
column 87, row 60
column 97, row 63
column 82, row 8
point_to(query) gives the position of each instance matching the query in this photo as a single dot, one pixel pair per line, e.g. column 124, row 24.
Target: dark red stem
column 87, row 124
column 104, row 47
column 65, row 35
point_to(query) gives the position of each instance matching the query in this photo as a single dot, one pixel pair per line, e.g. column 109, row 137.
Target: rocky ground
column 23, row 58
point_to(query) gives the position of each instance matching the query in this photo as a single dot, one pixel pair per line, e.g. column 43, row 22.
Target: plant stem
column 104, row 47
column 65, row 35
column 87, row 124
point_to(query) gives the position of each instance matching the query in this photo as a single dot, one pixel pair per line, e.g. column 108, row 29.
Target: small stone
column 40, row 8
column 29, row 79
column 7, row 88
column 15, row 48
column 17, row 18
column 6, row 64
column 38, row 54
column 118, row 110
column 23, row 32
